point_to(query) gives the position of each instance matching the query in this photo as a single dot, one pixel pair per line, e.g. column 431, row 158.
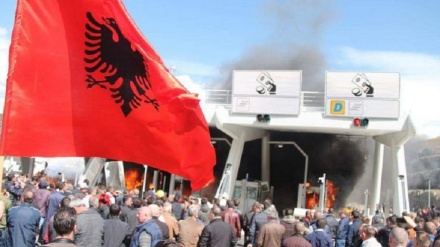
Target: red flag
column 83, row 81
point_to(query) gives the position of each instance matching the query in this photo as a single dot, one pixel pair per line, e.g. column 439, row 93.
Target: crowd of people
column 35, row 212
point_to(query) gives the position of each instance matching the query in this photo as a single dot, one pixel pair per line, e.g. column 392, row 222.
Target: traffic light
column 361, row 122
column 263, row 118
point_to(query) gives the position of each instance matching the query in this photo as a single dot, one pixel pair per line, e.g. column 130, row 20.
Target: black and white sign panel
column 357, row 94
column 268, row 92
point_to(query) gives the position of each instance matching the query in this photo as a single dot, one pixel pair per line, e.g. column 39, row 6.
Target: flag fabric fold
column 83, row 81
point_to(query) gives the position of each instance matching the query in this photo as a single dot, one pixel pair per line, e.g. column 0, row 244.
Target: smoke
column 341, row 158
column 294, row 43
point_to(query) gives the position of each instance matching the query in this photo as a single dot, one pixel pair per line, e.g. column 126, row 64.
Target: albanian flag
column 83, row 81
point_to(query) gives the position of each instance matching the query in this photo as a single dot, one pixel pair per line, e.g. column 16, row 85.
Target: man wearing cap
column 41, row 198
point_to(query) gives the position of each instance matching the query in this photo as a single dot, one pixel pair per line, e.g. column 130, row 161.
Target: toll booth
column 250, row 192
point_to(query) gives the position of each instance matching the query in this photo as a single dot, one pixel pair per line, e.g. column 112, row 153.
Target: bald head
column 299, row 227
column 398, row 237
column 155, row 211
column 144, row 214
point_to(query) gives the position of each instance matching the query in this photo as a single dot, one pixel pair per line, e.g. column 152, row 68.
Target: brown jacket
column 173, row 227
column 270, row 234
column 190, row 231
column 231, row 217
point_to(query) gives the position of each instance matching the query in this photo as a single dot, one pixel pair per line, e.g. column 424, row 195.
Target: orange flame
column 133, row 179
column 332, row 190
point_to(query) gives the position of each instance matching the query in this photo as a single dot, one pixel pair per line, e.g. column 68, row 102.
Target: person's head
column 256, row 207
column 272, row 215
column 366, row 220
column 65, row 202
column 392, row 220
column 367, row 232
column 43, row 184
column 94, row 202
column 331, row 211
column 236, row 202
column 155, row 211
column 115, row 210
column 398, row 237
column 126, row 200
column 104, row 199
column 430, row 227
column 101, row 189
column 288, row 212
column 137, row 202
column 267, row 203
column 215, row 213
column 320, row 223
column 144, row 214
column 422, row 240
column 230, row 204
column 27, row 196
column 193, row 211
column 64, row 222
column 167, row 207
column 61, row 186
column 78, row 205
column 300, row 228
column 317, row 215
column 355, row 214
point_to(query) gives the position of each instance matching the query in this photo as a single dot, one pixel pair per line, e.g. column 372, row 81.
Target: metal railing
column 310, row 101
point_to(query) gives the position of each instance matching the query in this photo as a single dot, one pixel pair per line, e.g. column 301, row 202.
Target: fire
column 133, row 179
column 332, row 190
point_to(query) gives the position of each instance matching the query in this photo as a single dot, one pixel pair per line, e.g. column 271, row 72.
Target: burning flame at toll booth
column 312, row 195
column 133, row 178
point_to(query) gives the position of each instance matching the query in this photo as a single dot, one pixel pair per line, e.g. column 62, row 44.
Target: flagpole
column 2, row 158
column 145, row 180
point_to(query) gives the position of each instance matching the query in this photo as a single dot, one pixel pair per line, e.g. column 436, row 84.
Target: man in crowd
column 190, row 229
column 270, row 233
column 258, row 221
column 217, row 233
column 342, row 233
column 116, row 231
column 353, row 232
column 231, row 217
column 90, row 225
column 170, row 220
column 147, row 233
column 298, row 239
column 22, row 222
column 319, row 238
column 367, row 233
column 398, row 237
column 64, row 224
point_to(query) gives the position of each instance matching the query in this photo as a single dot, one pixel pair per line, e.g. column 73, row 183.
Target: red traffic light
column 361, row 122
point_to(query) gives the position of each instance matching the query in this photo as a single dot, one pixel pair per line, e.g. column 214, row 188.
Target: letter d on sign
column 337, row 107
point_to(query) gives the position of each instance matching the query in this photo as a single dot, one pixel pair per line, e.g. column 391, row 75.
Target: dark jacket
column 332, row 224
column 217, row 234
column 89, row 229
column 289, row 224
column 177, row 210
column 320, row 238
column 344, row 225
column 41, row 198
column 204, row 214
column 23, row 223
column 257, row 222
column 297, row 240
column 353, row 236
column 116, row 233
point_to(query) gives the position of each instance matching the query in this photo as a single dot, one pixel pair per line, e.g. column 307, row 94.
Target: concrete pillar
column 377, row 176
column 155, row 178
column 172, row 184
column 265, row 158
column 234, row 159
column 400, row 196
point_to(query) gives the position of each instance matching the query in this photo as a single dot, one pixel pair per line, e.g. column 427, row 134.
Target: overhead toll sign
column 266, row 91
column 357, row 94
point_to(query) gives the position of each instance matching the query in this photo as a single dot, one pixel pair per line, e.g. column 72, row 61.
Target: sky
column 203, row 41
